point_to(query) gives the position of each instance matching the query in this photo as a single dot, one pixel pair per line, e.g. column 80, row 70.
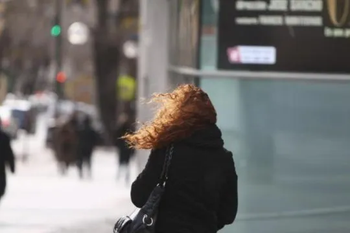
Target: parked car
column 9, row 123
column 42, row 100
column 24, row 113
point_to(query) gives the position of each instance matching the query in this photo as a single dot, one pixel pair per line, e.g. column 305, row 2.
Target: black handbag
column 144, row 219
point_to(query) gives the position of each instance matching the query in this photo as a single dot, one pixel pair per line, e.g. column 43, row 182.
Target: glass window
column 291, row 146
column 208, row 36
column 173, row 32
column 177, row 79
column 184, row 32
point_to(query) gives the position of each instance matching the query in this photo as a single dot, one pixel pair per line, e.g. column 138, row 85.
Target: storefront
column 285, row 114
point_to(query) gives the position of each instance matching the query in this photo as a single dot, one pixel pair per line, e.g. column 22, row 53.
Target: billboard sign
column 303, row 36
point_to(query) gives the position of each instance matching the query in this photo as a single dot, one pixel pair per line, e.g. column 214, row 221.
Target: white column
column 153, row 60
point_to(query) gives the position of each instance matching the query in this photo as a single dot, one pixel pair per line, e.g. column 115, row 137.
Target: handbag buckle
column 144, row 219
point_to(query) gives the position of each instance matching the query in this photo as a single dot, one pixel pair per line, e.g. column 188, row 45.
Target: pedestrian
column 65, row 144
column 201, row 187
column 87, row 141
column 6, row 159
column 125, row 125
column 75, row 120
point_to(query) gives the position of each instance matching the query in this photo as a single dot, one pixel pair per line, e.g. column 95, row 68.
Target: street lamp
column 78, row 33
column 130, row 49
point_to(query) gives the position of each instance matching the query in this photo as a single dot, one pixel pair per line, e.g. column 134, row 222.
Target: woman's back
column 201, row 193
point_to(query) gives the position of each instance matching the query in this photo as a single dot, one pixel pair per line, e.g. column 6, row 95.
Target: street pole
column 2, row 25
column 58, row 49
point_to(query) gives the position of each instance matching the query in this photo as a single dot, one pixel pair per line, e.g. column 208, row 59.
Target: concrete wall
column 153, row 60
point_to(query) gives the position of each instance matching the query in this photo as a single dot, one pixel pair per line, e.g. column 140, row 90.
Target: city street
column 39, row 200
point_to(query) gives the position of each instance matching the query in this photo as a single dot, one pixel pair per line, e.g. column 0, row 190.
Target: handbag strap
column 168, row 156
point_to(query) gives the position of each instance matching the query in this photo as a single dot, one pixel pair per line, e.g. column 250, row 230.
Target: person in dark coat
column 125, row 125
column 6, row 159
column 201, row 190
column 65, row 143
column 87, row 140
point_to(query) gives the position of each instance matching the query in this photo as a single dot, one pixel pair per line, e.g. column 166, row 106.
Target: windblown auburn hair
column 179, row 113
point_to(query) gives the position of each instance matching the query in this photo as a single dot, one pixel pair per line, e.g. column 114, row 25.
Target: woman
column 201, row 192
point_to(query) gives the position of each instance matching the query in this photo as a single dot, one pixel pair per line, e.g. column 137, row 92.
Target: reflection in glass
column 291, row 146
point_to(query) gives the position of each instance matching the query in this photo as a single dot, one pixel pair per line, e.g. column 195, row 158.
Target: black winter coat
column 6, row 158
column 87, row 141
column 201, row 193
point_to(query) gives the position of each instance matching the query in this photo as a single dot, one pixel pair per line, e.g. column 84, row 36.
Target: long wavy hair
column 178, row 114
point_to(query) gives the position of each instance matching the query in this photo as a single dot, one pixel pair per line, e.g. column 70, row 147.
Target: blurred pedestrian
column 87, row 141
column 75, row 121
column 65, row 144
column 201, row 183
column 125, row 125
column 6, row 159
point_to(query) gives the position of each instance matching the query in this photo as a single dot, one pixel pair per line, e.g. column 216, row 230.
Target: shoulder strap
column 167, row 160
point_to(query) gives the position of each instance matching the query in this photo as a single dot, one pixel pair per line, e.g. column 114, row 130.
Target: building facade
column 78, row 58
column 289, row 132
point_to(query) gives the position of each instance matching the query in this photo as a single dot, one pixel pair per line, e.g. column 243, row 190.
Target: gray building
column 289, row 133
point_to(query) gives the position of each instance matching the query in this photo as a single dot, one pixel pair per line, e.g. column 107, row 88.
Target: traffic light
column 61, row 77
column 56, row 30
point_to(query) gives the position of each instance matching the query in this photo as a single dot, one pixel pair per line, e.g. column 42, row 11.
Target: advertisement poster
column 304, row 36
column 188, row 23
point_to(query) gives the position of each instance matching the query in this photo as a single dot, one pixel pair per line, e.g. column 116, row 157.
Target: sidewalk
column 99, row 225
column 39, row 200
column 103, row 226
